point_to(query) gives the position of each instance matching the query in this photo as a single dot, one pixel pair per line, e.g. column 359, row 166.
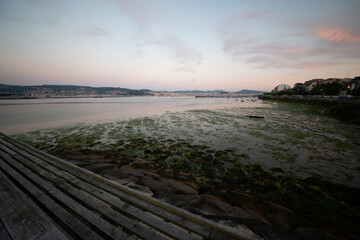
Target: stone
column 132, row 172
column 282, row 222
column 168, row 186
column 125, row 181
column 213, row 207
column 145, row 190
column 312, row 233
column 150, row 173
column 156, row 186
column 96, row 168
column 139, row 163
column 179, row 187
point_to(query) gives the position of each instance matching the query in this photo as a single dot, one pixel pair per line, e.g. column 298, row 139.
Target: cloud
column 334, row 35
column 185, row 57
column 138, row 11
column 296, row 44
column 186, row 69
column 39, row 12
column 319, row 65
column 240, row 15
column 92, row 32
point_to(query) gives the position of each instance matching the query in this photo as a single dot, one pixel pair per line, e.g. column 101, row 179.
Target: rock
column 150, row 173
column 125, row 181
column 282, row 222
column 156, row 186
column 140, row 188
column 168, row 186
column 203, row 180
column 132, row 172
column 96, row 168
column 179, row 188
column 213, row 207
column 312, row 233
column 139, row 163
column 113, row 173
column 239, row 228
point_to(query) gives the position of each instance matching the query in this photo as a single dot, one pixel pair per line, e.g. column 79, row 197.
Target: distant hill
column 246, row 91
column 69, row 90
column 199, row 91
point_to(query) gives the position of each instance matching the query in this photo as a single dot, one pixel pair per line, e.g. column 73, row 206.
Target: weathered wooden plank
column 72, row 225
column 91, row 202
column 4, row 234
column 177, row 216
column 127, row 195
column 104, row 227
column 22, row 218
column 150, row 219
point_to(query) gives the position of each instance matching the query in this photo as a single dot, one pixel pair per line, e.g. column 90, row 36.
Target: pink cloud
column 310, row 66
column 334, row 35
column 294, row 50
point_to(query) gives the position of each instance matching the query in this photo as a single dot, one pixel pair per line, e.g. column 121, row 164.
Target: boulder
column 139, row 163
column 145, row 190
column 96, row 168
column 212, row 207
column 168, row 186
column 132, row 172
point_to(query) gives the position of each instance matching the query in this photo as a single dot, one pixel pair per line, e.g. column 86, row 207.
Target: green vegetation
column 328, row 89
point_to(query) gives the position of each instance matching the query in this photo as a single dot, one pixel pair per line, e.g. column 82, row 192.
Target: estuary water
column 22, row 115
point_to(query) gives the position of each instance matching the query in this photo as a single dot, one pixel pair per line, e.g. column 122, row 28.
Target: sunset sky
column 178, row 44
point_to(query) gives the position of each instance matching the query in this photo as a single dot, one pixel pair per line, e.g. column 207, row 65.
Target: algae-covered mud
column 295, row 171
column 299, row 140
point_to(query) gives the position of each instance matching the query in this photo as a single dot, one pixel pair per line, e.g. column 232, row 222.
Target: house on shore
column 281, row 87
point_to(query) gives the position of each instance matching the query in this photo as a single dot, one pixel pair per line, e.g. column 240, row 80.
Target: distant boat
column 253, row 116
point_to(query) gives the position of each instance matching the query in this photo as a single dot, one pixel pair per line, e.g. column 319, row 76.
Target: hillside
column 67, row 90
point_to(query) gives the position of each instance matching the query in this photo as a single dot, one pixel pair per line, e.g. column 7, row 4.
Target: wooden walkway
column 44, row 197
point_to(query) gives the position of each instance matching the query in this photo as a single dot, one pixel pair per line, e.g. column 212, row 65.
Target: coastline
column 345, row 108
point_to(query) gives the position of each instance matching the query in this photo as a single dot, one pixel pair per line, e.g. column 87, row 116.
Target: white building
column 281, row 87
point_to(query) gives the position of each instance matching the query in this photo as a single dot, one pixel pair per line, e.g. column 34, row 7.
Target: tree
column 317, row 90
column 333, row 88
column 300, row 90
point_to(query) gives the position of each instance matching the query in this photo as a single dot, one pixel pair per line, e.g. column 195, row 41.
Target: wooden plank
column 4, row 234
column 126, row 196
column 72, row 225
column 90, row 202
column 21, row 217
column 177, row 216
column 149, row 219
column 103, row 227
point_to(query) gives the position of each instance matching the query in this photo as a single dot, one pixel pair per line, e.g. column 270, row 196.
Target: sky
column 178, row 44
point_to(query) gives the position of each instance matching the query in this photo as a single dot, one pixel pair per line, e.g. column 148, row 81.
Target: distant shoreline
column 346, row 109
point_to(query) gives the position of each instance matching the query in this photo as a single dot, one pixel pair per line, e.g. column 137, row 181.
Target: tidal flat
column 296, row 169
column 295, row 138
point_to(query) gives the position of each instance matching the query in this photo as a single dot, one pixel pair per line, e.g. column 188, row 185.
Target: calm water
column 22, row 115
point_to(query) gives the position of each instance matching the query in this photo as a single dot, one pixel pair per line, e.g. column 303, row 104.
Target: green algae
column 210, row 141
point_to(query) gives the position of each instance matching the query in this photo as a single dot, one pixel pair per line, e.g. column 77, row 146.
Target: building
column 281, row 87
